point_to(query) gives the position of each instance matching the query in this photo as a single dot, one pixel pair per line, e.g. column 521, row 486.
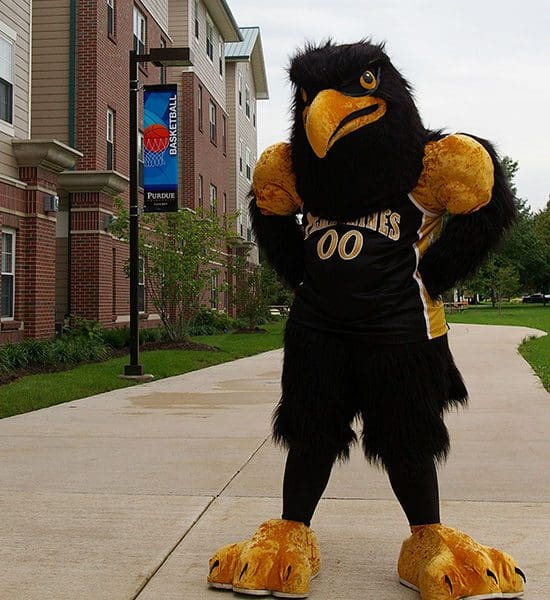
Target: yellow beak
column 332, row 115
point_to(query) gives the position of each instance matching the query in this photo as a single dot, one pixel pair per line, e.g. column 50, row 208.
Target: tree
column 253, row 289
column 178, row 250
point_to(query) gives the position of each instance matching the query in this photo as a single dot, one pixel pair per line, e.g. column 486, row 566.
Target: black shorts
column 398, row 391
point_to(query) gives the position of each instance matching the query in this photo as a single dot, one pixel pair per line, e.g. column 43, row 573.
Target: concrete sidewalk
column 125, row 495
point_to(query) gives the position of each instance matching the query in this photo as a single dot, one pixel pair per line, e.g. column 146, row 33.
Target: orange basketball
column 156, row 138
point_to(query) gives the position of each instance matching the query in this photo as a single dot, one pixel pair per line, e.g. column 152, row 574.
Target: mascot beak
column 332, row 115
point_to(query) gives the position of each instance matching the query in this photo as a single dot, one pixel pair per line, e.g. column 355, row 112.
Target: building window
column 8, row 273
column 209, row 39
column 241, row 157
column 254, row 112
column 199, row 107
column 214, row 292
column 196, row 19
column 140, row 31
column 213, row 134
column 248, row 167
column 111, row 18
column 6, row 78
column 200, row 192
column 110, row 139
column 213, row 199
column 224, row 203
column 141, row 285
column 141, row 158
column 224, row 134
column 247, row 102
column 221, row 56
column 240, row 89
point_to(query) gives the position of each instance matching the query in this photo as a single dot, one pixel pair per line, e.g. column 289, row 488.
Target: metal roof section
column 224, row 20
column 250, row 49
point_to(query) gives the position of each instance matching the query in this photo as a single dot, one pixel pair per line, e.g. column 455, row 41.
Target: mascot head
column 357, row 137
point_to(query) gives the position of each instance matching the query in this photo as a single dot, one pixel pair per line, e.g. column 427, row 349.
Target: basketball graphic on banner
column 155, row 141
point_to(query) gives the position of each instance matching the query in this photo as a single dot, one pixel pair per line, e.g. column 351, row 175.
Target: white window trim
column 240, row 90
column 247, row 97
column 138, row 17
column 196, row 22
column 13, row 233
column 221, row 57
column 248, row 166
column 10, row 35
column 241, row 156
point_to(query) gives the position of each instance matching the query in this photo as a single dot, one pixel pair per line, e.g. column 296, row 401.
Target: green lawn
column 38, row 391
column 536, row 351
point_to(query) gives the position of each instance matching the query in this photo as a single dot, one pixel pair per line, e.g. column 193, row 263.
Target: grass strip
column 536, row 351
column 39, row 391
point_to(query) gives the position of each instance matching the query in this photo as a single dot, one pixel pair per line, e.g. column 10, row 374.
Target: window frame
column 248, row 165
column 247, row 101
column 201, row 191
column 214, row 288
column 111, row 19
column 241, row 156
column 240, row 89
column 212, row 121
column 209, row 38
column 199, row 107
column 221, row 57
column 9, row 37
column 213, row 199
column 8, row 231
column 111, row 124
column 140, row 19
column 197, row 28
column 224, row 134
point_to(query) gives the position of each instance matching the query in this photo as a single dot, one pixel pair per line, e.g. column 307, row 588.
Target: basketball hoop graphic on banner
column 160, row 148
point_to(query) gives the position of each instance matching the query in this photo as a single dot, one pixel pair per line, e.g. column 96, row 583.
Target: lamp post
column 161, row 57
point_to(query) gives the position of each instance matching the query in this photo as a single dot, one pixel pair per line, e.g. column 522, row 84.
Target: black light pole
column 161, row 57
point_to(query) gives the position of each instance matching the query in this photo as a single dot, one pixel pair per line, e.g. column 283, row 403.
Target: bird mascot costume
column 393, row 214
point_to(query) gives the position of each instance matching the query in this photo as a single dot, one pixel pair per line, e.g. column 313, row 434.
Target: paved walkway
column 124, row 495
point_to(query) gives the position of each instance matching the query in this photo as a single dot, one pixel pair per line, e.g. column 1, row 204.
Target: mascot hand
column 445, row 564
column 274, row 184
column 280, row 559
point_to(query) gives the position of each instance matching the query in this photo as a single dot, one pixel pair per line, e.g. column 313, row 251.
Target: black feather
column 366, row 168
column 282, row 240
column 467, row 240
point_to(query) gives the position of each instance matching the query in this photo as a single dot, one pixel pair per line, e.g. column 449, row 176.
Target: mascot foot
column 444, row 564
column 280, row 559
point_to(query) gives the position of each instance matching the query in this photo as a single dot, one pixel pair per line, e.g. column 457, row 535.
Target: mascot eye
column 368, row 80
column 303, row 93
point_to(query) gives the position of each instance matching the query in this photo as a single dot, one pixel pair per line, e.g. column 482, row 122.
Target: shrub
column 211, row 322
column 116, row 338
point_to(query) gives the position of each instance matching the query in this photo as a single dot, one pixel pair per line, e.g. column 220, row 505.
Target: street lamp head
column 171, row 57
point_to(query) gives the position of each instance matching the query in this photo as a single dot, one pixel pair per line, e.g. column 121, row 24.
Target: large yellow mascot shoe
column 443, row 563
column 280, row 559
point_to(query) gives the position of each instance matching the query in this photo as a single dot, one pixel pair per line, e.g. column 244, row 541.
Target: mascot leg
column 313, row 422
column 439, row 562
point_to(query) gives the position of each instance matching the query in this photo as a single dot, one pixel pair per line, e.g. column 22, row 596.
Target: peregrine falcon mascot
column 393, row 214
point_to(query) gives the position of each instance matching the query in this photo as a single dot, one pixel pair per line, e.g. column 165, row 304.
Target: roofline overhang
column 224, row 20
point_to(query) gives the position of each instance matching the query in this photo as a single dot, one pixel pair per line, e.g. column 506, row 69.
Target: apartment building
column 30, row 167
column 246, row 82
column 64, row 159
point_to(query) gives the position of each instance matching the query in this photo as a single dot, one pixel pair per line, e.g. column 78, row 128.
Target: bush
column 211, row 322
column 116, row 338
column 65, row 351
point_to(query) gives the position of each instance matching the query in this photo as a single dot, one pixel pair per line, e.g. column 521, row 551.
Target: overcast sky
column 477, row 66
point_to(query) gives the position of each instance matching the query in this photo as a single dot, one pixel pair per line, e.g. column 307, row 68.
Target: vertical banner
column 160, row 148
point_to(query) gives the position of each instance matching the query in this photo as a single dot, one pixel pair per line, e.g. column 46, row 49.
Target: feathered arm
column 477, row 195
column 273, row 206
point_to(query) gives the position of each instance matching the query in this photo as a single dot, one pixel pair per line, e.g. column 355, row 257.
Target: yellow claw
column 443, row 563
column 280, row 559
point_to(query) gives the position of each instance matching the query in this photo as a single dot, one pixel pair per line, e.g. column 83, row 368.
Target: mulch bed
column 115, row 353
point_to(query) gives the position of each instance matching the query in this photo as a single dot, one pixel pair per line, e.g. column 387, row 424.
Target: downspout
column 72, row 138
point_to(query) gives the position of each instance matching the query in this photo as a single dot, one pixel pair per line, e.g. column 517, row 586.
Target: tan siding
column 231, row 137
column 50, row 92
column 17, row 16
column 158, row 9
column 180, row 15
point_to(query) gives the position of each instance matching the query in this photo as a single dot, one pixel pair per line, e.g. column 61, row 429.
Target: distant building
column 64, row 130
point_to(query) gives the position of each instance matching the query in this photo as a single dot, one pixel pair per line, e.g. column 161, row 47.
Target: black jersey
column 361, row 277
